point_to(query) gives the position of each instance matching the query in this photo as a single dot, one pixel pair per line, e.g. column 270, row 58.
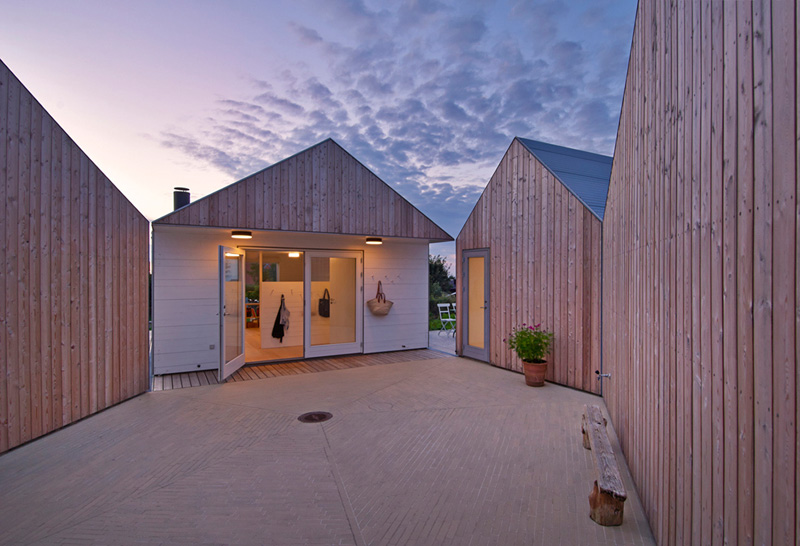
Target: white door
column 231, row 311
column 334, row 310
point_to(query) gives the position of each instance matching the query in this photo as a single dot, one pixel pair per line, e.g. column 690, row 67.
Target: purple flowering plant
column 531, row 343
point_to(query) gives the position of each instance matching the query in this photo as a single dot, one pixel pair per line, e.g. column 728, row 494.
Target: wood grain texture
column 700, row 275
column 545, row 266
column 322, row 190
column 60, row 301
column 608, row 476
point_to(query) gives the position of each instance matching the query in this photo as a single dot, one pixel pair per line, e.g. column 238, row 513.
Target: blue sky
column 429, row 95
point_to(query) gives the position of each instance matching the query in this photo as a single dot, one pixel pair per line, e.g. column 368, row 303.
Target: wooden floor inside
column 295, row 367
column 254, row 352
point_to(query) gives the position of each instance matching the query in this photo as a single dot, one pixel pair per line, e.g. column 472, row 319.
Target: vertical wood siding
column 322, row 189
column 74, row 258
column 544, row 248
column 701, row 276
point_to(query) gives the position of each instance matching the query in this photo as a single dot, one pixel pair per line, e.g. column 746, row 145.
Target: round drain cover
column 314, row 417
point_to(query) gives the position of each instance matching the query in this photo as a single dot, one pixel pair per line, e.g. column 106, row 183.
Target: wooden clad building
column 73, row 288
column 308, row 223
column 701, row 271
column 530, row 253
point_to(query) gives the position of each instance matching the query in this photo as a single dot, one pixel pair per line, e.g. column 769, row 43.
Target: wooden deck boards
column 294, row 367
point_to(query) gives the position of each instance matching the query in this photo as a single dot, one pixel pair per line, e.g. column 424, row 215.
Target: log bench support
column 607, row 499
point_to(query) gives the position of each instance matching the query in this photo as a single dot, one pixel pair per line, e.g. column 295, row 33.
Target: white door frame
column 340, row 348
column 226, row 369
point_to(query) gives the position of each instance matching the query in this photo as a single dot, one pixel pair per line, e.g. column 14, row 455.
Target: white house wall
column 186, row 291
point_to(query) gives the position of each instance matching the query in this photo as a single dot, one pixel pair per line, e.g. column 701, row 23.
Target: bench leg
column 605, row 509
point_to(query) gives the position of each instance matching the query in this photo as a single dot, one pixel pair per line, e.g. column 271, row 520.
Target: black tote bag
column 325, row 304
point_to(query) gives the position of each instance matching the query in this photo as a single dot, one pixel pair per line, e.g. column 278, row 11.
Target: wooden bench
column 607, row 499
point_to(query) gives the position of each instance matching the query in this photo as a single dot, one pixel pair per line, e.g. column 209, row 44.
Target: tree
column 441, row 284
column 439, row 276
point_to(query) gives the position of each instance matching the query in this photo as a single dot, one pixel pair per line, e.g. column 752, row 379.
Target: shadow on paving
column 442, row 451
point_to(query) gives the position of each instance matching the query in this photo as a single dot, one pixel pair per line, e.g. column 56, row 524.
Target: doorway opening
column 274, row 287
column 302, row 304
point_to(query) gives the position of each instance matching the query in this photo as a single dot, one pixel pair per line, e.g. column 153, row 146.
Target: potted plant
column 532, row 345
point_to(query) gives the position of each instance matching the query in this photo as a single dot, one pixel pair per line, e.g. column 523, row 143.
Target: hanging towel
column 278, row 328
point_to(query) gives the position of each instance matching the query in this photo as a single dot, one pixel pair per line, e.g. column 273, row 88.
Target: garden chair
column 446, row 318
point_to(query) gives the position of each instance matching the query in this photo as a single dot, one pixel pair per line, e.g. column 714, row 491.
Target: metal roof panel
column 585, row 174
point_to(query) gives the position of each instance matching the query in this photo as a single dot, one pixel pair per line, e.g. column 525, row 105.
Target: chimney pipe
column 180, row 198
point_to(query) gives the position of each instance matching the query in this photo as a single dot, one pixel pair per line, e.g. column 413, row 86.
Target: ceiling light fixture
column 374, row 241
column 294, row 254
column 242, row 234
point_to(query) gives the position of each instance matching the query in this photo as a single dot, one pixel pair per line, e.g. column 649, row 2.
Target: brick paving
column 440, row 451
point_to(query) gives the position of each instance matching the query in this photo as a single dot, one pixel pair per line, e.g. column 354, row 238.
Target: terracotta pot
column 534, row 373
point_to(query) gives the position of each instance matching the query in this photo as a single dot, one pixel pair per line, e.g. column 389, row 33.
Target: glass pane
column 333, row 300
column 233, row 308
column 476, row 302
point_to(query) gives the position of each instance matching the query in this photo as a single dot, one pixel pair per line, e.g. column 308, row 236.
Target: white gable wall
column 186, row 290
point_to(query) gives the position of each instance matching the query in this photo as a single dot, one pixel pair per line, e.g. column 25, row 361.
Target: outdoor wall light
column 374, row 241
column 294, row 254
column 232, row 255
column 242, row 234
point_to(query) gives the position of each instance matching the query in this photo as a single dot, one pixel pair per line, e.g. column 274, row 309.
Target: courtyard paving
column 442, row 451
column 444, row 342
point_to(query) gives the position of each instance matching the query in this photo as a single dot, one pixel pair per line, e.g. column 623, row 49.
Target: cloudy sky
column 428, row 94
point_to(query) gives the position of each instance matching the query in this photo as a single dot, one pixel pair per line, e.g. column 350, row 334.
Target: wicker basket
column 379, row 305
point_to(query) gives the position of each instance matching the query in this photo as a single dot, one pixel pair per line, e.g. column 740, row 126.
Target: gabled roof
column 585, row 174
column 323, row 189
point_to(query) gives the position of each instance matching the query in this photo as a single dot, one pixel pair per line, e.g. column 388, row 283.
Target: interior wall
column 73, row 286
column 186, row 292
column 544, row 252
column 270, row 303
column 701, row 272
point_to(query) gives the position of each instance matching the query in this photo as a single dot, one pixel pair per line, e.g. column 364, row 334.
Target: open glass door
column 334, row 310
column 476, row 296
column 231, row 311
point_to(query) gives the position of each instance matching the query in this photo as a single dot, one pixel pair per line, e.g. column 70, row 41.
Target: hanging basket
column 379, row 305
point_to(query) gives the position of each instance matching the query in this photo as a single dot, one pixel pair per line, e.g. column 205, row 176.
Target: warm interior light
column 374, row 241
column 242, row 234
column 294, row 254
column 232, row 255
